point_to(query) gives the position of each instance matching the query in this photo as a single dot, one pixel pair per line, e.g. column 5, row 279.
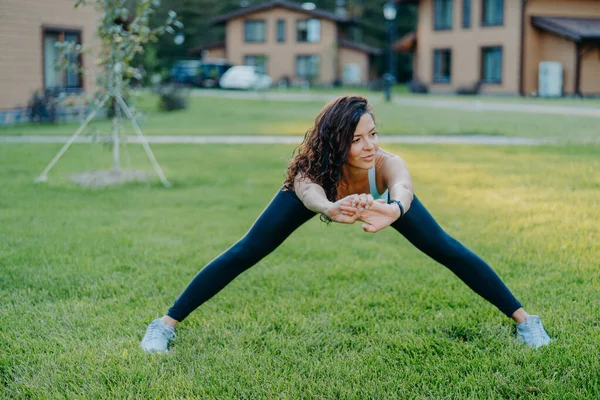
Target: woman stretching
column 341, row 173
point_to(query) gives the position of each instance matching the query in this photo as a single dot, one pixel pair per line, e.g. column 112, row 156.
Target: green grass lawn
column 402, row 91
column 333, row 313
column 221, row 116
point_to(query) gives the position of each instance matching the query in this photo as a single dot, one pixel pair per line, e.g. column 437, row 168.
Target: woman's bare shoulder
column 383, row 156
column 384, row 153
column 388, row 164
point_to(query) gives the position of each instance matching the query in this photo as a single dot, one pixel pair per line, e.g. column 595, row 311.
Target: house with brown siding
column 29, row 30
column 290, row 42
column 502, row 43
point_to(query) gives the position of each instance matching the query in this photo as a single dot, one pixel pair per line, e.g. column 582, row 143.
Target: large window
column 307, row 66
column 492, row 12
column 280, row 30
column 491, row 64
column 442, row 14
column 258, row 61
column 308, row 30
column 69, row 79
column 442, row 66
column 254, row 31
column 466, row 14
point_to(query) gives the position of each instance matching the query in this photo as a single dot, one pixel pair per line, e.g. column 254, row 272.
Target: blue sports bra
column 373, row 187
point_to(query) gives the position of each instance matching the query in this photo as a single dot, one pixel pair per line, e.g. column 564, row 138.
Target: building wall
column 539, row 45
column 466, row 44
column 21, row 58
column 351, row 56
column 590, row 72
column 282, row 56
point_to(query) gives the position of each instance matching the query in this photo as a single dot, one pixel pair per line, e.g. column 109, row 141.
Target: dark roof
column 576, row 29
column 219, row 19
column 210, row 46
column 359, row 46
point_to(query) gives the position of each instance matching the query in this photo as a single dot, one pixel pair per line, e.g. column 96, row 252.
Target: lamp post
column 389, row 13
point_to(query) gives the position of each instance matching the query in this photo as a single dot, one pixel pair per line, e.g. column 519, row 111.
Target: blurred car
column 245, row 77
column 210, row 72
column 185, row 71
column 206, row 73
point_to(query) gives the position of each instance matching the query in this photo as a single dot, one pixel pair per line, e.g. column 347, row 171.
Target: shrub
column 416, row 86
column 42, row 107
column 173, row 97
column 473, row 89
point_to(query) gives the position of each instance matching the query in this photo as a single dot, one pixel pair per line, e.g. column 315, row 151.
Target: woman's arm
column 399, row 183
column 311, row 195
column 398, row 180
column 314, row 198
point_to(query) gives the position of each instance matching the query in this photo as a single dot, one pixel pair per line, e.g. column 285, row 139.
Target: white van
column 244, row 77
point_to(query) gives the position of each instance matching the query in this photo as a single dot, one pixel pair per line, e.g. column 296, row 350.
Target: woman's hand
column 349, row 209
column 379, row 216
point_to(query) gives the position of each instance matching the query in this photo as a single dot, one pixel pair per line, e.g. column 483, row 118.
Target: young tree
column 123, row 30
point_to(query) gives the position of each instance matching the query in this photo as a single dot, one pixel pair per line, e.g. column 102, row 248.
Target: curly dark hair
column 323, row 152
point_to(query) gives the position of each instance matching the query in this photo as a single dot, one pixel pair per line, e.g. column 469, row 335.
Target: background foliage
column 195, row 15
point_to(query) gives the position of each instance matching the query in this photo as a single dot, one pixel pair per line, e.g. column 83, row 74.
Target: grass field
column 222, row 116
column 402, row 91
column 333, row 313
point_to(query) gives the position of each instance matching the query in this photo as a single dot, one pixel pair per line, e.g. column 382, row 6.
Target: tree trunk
column 116, row 163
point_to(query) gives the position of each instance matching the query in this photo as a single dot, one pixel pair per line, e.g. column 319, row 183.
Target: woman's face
column 364, row 144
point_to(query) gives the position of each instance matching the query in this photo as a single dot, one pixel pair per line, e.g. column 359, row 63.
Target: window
column 65, row 79
column 258, row 61
column 280, row 31
column 308, row 30
column 442, row 66
column 491, row 64
column 307, row 66
column 254, row 31
column 493, row 13
column 442, row 15
column 466, row 14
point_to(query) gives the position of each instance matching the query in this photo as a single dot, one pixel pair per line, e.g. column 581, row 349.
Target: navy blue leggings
column 286, row 213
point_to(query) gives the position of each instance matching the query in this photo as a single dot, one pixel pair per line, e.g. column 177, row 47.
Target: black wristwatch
column 390, row 201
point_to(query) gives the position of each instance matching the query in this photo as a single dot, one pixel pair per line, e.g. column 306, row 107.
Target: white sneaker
column 532, row 332
column 157, row 337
